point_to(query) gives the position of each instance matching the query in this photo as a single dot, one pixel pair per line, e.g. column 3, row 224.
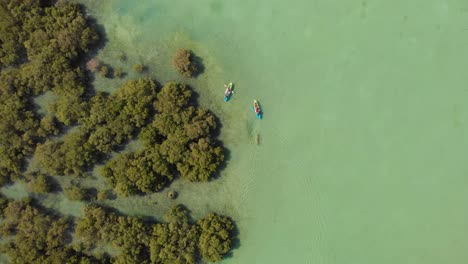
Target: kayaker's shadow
column 198, row 62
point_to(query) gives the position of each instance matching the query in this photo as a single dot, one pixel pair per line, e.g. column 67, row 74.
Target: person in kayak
column 257, row 108
column 228, row 91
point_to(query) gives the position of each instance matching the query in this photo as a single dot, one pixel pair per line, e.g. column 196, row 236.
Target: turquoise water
column 363, row 145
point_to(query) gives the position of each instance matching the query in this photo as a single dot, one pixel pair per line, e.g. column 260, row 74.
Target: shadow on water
column 263, row 109
column 227, row 153
column 194, row 97
column 217, row 131
column 55, row 186
column 103, row 40
column 123, row 75
column 198, row 62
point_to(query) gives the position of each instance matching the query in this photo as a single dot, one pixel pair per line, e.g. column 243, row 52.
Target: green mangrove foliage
column 122, row 56
column 121, row 113
column 41, row 44
column 18, row 131
column 183, row 61
column 70, row 156
column 141, row 172
column 104, row 71
column 216, row 236
column 47, row 42
column 37, row 237
column 3, row 204
column 104, row 195
column 187, row 132
column 128, row 234
column 178, row 140
column 176, row 241
column 139, row 68
column 40, row 183
column 117, row 73
column 48, row 126
column 200, row 161
column 33, row 29
column 110, row 121
column 39, row 50
column 75, row 192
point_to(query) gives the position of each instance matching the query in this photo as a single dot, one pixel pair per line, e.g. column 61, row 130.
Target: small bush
column 104, row 71
column 3, row 204
column 183, row 62
column 122, row 56
column 48, row 126
column 117, row 73
column 217, row 233
column 41, row 184
column 76, row 193
column 104, row 195
column 139, row 68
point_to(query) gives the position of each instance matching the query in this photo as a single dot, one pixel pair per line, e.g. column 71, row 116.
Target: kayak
column 227, row 97
column 258, row 112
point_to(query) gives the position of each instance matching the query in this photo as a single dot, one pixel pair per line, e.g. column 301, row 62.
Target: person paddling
column 228, row 91
column 257, row 109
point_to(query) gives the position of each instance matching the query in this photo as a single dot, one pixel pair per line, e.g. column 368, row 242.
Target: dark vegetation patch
column 42, row 44
column 179, row 240
column 186, row 63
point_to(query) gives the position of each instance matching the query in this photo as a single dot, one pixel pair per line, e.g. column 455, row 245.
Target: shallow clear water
column 363, row 145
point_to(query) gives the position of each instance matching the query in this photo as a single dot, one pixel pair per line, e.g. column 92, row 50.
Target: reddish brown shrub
column 183, row 62
column 93, row 64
